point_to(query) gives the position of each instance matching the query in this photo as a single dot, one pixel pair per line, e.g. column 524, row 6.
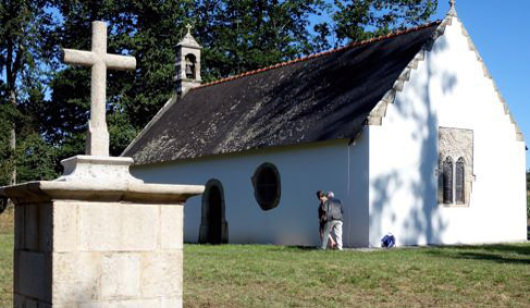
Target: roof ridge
column 319, row 54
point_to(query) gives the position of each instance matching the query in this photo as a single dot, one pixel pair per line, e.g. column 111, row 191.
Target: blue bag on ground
column 388, row 241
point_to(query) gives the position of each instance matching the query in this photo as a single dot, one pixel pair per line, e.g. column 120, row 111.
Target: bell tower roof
column 188, row 40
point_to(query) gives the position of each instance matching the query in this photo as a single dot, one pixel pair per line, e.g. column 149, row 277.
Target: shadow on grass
column 500, row 253
column 505, row 248
column 293, row 248
column 493, row 257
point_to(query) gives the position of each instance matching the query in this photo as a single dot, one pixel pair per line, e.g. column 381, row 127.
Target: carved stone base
column 83, row 168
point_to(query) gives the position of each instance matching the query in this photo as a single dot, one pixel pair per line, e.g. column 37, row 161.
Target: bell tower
column 188, row 65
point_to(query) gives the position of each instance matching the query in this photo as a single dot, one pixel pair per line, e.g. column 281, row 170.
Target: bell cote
column 188, row 64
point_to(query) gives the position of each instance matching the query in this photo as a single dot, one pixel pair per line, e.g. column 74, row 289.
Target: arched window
column 447, row 180
column 460, row 181
column 267, row 186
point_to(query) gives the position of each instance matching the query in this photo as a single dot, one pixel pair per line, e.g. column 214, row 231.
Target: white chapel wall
column 448, row 89
column 303, row 170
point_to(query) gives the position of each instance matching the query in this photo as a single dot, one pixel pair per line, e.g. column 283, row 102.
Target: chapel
column 407, row 130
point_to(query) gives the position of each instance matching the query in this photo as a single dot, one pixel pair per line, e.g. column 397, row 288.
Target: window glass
column 460, row 181
column 448, row 180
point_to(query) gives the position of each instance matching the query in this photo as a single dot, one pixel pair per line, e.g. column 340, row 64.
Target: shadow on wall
column 421, row 223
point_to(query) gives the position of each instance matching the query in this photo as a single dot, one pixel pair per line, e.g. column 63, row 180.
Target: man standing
column 322, row 217
column 333, row 209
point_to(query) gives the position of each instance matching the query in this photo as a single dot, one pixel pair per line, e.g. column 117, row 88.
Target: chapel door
column 213, row 228
column 214, row 217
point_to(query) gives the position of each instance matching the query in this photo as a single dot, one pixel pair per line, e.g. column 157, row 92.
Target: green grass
column 6, row 258
column 274, row 276
column 6, row 270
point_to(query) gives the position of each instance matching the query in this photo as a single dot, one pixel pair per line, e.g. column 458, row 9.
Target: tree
column 243, row 35
column 363, row 19
column 24, row 23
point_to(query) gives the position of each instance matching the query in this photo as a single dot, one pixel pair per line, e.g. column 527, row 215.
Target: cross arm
column 85, row 58
column 119, row 62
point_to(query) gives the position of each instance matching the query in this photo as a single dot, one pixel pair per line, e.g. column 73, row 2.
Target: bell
column 189, row 71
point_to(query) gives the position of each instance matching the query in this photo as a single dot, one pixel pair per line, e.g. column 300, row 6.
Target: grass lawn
column 6, row 258
column 277, row 276
column 274, row 276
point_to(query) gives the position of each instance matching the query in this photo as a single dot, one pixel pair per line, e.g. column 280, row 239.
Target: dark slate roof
column 321, row 97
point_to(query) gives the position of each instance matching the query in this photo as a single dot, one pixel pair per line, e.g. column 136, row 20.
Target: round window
column 267, row 187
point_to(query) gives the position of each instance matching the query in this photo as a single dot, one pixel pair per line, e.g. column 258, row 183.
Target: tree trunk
column 12, row 146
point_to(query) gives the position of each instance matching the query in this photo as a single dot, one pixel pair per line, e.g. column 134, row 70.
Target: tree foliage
column 25, row 25
column 244, row 35
column 528, row 195
column 362, row 19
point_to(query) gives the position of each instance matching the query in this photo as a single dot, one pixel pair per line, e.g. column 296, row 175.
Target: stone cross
column 99, row 60
column 188, row 26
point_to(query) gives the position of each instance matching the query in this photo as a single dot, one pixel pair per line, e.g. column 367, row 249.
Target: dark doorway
column 214, row 217
column 214, row 228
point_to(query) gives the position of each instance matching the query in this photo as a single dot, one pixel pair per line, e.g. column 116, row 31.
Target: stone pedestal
column 97, row 237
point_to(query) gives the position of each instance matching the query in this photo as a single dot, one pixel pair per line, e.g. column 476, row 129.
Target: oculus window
column 267, row 186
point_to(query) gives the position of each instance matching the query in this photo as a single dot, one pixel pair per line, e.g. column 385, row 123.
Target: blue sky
column 499, row 30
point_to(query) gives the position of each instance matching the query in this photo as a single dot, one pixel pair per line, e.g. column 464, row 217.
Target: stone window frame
column 456, row 197
column 463, row 151
column 267, row 205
